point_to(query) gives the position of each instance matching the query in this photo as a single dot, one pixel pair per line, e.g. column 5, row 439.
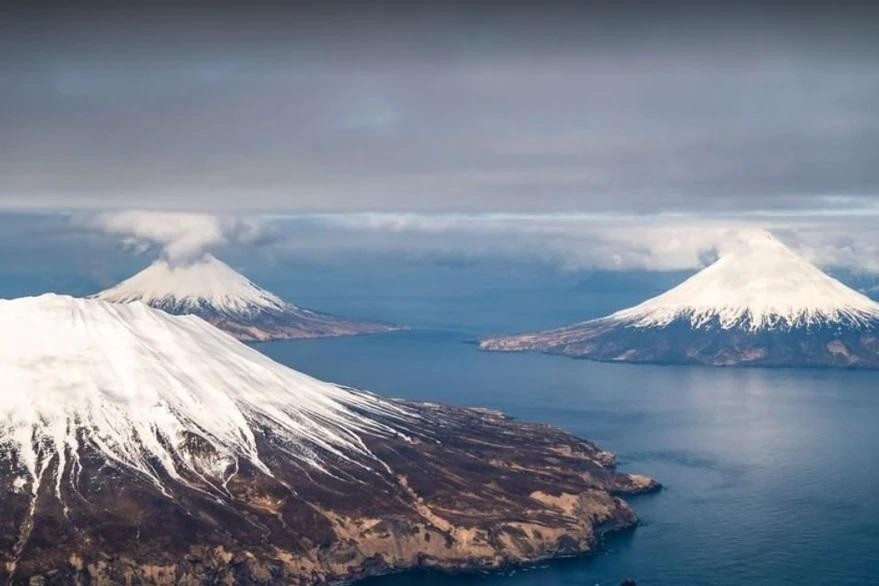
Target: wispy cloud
column 180, row 236
column 569, row 241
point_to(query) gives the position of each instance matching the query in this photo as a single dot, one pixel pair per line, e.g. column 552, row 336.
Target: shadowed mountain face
column 166, row 452
column 225, row 298
column 680, row 343
column 759, row 304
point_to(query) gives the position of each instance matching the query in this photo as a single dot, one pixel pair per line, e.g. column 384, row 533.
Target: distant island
column 141, row 447
column 759, row 304
column 212, row 290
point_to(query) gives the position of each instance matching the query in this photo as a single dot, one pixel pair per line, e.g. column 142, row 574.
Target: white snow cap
column 135, row 383
column 757, row 283
column 205, row 282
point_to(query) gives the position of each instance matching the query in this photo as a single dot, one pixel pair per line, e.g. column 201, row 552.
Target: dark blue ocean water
column 771, row 475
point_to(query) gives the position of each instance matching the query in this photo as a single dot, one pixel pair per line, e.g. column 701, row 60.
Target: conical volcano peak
column 214, row 291
column 757, row 282
column 751, row 238
column 759, row 303
column 756, row 249
column 206, row 281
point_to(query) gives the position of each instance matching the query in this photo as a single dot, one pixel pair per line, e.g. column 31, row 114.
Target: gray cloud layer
column 472, row 108
column 569, row 241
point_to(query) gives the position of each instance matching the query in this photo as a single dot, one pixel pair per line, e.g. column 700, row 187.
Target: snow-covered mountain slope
column 139, row 447
column 759, row 303
column 759, row 283
column 188, row 287
column 217, row 293
column 134, row 383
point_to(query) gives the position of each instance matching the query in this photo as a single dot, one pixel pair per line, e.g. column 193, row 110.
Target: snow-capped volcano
column 212, row 290
column 139, row 447
column 179, row 288
column 759, row 283
column 759, row 303
column 136, row 384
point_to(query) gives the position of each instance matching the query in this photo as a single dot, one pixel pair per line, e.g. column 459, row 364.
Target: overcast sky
column 586, row 107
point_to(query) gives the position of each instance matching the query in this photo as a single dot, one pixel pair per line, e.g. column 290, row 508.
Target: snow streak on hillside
column 140, row 386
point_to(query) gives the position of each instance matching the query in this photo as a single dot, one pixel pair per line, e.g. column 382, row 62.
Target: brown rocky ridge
column 456, row 489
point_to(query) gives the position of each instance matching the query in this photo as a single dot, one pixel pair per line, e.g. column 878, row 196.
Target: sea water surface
column 771, row 475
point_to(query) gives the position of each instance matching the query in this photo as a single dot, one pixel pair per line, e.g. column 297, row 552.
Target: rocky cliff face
column 465, row 489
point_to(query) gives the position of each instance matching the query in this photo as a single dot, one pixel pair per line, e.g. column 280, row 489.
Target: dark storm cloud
column 438, row 107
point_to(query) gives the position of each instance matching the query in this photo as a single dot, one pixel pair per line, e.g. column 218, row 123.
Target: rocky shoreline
column 457, row 490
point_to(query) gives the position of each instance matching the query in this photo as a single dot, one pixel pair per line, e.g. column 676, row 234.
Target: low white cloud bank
column 180, row 236
column 570, row 241
column 589, row 241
